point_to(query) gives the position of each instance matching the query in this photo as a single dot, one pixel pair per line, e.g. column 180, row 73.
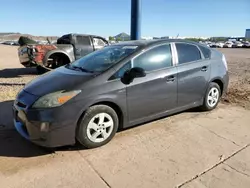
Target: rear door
column 82, row 46
column 193, row 74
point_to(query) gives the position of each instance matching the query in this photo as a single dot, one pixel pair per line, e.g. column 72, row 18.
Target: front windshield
column 101, row 60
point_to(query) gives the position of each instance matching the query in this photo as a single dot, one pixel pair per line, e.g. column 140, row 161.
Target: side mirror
column 137, row 72
column 133, row 73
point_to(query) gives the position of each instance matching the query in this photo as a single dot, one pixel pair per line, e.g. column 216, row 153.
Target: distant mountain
column 15, row 36
column 10, row 33
column 121, row 35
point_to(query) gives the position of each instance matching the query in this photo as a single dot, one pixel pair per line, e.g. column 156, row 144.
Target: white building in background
column 247, row 35
column 147, row 38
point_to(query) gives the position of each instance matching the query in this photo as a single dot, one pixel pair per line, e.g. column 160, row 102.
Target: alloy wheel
column 100, row 127
column 213, row 97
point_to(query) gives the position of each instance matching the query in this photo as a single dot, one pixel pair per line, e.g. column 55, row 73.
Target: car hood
column 57, row 80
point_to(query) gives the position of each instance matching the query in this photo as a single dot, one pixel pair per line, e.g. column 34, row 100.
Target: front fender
column 121, row 104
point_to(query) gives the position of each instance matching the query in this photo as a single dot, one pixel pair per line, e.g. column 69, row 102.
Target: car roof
column 145, row 43
column 77, row 34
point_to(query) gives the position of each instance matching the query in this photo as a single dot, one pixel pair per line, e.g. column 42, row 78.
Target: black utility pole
column 135, row 32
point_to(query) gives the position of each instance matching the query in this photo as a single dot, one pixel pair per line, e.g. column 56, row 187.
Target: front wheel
column 97, row 127
column 212, row 97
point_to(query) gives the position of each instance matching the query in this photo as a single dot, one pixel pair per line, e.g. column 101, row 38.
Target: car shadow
column 191, row 110
column 17, row 72
column 11, row 143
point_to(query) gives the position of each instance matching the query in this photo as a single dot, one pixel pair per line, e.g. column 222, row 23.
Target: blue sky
column 110, row 17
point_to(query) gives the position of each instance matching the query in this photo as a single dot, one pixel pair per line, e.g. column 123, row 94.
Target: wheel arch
column 112, row 105
column 219, row 81
column 56, row 52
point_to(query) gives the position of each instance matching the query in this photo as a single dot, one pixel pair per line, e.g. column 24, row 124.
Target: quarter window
column 121, row 71
column 187, row 53
column 157, row 58
column 206, row 52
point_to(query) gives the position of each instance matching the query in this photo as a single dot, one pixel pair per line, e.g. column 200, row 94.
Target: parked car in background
column 246, row 45
column 237, row 44
column 68, row 48
column 228, row 45
column 205, row 43
column 119, row 86
column 212, row 45
column 216, row 45
column 11, row 43
column 219, row 44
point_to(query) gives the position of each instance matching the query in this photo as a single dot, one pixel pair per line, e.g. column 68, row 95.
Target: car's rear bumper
column 43, row 132
column 226, row 82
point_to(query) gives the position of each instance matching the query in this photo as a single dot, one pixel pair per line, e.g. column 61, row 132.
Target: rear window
column 65, row 39
column 206, row 52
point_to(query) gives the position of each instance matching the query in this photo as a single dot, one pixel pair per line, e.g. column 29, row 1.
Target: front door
column 193, row 74
column 155, row 93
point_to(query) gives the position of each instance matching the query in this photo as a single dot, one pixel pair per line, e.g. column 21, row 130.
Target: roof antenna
column 177, row 36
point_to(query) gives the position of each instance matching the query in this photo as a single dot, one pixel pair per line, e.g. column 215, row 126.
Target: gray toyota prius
column 117, row 87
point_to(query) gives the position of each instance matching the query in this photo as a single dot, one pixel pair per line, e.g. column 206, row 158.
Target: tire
column 41, row 70
column 209, row 97
column 93, row 124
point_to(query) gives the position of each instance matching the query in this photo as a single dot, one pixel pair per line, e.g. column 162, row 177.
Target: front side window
column 98, row 42
column 101, row 60
column 187, row 53
column 157, row 58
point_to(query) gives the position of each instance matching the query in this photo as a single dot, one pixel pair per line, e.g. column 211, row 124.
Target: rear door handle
column 204, row 68
column 170, row 78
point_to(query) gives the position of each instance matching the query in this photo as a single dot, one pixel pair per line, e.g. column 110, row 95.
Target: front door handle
column 170, row 78
column 204, row 68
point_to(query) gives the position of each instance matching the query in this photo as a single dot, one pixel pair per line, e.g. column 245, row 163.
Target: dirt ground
column 189, row 149
column 239, row 72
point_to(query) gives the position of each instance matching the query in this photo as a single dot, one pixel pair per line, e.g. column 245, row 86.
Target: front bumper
column 56, row 133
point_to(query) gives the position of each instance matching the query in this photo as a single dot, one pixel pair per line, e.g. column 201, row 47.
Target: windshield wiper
column 81, row 69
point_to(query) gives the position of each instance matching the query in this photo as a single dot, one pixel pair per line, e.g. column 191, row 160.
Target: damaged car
column 68, row 48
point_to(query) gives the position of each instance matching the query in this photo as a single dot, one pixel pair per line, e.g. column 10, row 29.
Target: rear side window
column 82, row 40
column 157, row 58
column 206, row 52
column 187, row 53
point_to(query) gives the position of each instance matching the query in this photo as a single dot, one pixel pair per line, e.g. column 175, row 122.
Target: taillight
column 224, row 61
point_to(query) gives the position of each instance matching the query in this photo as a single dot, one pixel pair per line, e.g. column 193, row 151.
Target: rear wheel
column 212, row 97
column 97, row 127
column 57, row 60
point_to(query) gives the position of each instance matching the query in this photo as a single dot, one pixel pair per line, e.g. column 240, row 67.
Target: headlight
column 55, row 99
